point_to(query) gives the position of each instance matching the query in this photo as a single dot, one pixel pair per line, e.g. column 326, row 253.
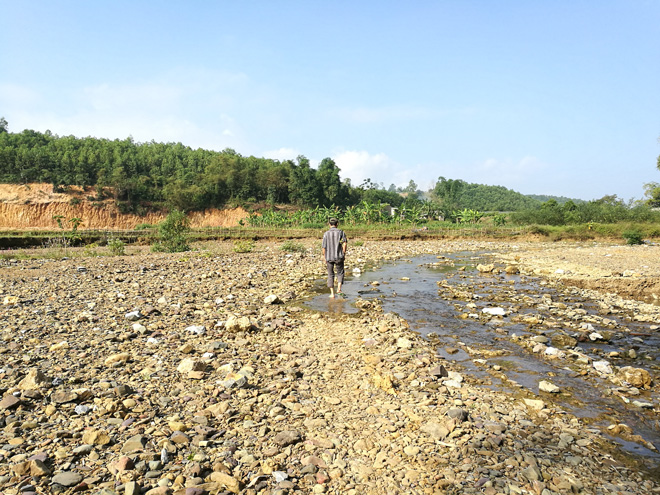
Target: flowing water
column 410, row 289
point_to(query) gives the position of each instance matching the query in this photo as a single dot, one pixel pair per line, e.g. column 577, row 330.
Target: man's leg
column 331, row 277
column 340, row 274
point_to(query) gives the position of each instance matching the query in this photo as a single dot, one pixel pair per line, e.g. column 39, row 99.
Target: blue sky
column 554, row 97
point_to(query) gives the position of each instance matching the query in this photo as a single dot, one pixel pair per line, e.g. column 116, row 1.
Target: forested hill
column 166, row 174
column 152, row 176
column 559, row 199
column 457, row 194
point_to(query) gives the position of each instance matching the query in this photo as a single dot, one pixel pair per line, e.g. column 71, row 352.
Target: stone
column 272, row 299
column 458, row 414
column 38, row 468
column 435, row 430
column 191, row 364
column 545, row 386
column 121, row 357
column 132, row 488
column 9, row 402
column 238, row 324
column 196, row 329
column 133, row 316
column 34, row 380
column 226, row 480
column 494, row 311
column 136, row 442
column 603, row 367
column 67, row 478
column 287, row 437
column 485, row 268
column 96, row 437
column 635, row 377
column 535, row 404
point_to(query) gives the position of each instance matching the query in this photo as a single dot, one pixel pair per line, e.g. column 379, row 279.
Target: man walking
column 334, row 253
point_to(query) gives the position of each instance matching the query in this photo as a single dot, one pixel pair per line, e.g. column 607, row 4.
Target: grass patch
column 244, row 246
column 293, row 247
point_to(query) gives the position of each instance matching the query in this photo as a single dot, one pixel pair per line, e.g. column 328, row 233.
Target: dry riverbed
column 201, row 373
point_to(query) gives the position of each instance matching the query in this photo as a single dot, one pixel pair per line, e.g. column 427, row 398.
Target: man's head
column 333, row 221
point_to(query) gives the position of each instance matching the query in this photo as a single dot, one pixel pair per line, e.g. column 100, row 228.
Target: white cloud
column 282, row 154
column 361, row 165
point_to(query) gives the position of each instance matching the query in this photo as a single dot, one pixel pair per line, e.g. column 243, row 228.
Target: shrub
column 117, row 247
column 293, row 247
column 243, row 246
column 90, row 249
column 173, row 233
column 633, row 237
column 358, row 243
column 499, row 219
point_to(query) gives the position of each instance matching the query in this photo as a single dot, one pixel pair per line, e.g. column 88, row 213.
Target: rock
column 10, row 300
column 81, row 410
column 458, row 414
column 272, row 299
column 403, row 343
column 238, row 324
column 494, row 311
column 60, row 346
column 532, row 473
column 196, row 329
column 96, row 437
column 133, row 316
column 287, row 437
column 191, row 364
column 63, row 397
column 635, row 377
column 121, row 357
column 545, row 386
column 67, row 478
column 38, row 468
column 564, row 341
column 160, row 490
column 136, row 442
column 485, row 268
column 435, row 430
column 34, row 380
column 132, row 488
column 602, row 367
column 234, row 380
column 229, row 482
column 535, row 404
column 9, row 402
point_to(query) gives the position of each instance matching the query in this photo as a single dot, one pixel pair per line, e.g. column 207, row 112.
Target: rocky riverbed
column 202, row 373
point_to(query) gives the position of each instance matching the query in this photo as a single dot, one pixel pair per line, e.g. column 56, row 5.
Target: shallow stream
column 410, row 288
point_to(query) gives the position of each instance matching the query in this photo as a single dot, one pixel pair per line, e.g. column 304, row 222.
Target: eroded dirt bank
column 34, row 206
column 200, row 373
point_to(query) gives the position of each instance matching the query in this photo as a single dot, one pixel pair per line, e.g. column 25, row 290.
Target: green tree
column 173, row 233
column 652, row 193
column 328, row 176
column 448, row 192
column 304, row 187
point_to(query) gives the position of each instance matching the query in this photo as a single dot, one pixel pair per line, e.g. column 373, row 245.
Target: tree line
column 155, row 175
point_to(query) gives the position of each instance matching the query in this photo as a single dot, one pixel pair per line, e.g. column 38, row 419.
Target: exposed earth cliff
column 33, row 206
